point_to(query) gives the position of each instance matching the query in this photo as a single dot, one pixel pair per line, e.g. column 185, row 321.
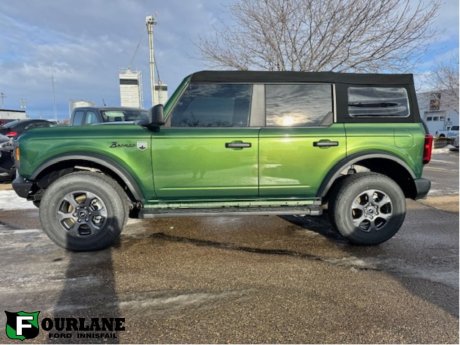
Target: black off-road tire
column 367, row 208
column 84, row 211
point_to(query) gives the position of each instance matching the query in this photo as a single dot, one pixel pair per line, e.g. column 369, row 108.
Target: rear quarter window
column 368, row 101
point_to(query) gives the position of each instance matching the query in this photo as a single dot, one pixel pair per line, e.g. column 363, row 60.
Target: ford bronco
column 237, row 142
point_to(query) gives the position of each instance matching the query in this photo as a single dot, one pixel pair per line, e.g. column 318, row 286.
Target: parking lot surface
column 253, row 279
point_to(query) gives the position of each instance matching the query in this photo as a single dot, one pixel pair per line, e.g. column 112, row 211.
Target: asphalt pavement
column 252, row 279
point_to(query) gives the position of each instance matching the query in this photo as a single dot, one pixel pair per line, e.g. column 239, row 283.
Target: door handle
column 237, row 145
column 325, row 143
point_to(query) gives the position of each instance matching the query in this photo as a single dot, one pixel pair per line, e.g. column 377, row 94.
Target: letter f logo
column 21, row 325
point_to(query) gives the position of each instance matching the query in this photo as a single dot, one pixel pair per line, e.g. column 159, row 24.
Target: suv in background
column 91, row 115
column 238, row 142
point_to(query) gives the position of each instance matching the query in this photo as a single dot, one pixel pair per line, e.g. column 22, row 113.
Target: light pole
column 54, row 98
column 150, row 22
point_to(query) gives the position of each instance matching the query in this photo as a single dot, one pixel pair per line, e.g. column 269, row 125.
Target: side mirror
column 155, row 117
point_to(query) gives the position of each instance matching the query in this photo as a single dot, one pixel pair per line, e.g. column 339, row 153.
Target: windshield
column 119, row 115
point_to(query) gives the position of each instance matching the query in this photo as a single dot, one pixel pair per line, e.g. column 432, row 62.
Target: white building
column 438, row 109
column 131, row 89
column 77, row 103
column 7, row 115
column 161, row 93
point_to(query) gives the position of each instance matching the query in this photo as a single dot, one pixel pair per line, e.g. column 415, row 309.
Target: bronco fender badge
column 116, row 145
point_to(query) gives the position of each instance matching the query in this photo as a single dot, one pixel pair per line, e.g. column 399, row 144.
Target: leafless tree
column 446, row 77
column 322, row 35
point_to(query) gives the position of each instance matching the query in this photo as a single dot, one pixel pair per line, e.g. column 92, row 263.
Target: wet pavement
column 443, row 173
column 253, row 279
column 244, row 280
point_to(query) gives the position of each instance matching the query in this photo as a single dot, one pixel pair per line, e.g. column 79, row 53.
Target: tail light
column 427, row 148
column 11, row 134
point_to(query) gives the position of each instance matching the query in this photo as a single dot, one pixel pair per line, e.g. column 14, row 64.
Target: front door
column 207, row 151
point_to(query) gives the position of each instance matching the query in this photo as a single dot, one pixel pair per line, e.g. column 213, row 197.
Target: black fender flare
column 104, row 161
column 334, row 173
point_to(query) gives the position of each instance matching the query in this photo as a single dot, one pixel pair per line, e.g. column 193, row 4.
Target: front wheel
column 84, row 211
column 367, row 208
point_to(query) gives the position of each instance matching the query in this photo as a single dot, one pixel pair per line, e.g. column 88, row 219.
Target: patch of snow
column 9, row 200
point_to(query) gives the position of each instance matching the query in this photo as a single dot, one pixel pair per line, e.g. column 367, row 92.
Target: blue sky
column 83, row 44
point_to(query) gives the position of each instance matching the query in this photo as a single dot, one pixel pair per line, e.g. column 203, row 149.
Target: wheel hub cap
column 82, row 214
column 371, row 210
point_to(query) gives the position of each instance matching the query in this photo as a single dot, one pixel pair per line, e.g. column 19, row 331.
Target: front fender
column 98, row 160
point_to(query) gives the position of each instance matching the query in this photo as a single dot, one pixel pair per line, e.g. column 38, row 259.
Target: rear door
column 300, row 142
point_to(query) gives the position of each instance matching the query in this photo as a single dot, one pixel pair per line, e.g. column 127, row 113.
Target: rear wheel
column 84, row 211
column 367, row 208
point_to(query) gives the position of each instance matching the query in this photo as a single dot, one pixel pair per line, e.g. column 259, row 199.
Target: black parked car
column 15, row 128
column 6, row 159
column 8, row 133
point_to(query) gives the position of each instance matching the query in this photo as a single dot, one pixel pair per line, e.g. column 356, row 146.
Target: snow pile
column 10, row 201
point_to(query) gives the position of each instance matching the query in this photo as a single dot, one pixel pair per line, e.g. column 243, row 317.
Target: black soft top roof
column 107, row 108
column 301, row 77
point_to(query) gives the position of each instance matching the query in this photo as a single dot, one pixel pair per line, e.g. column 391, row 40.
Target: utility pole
column 150, row 22
column 2, row 98
column 23, row 104
column 54, row 97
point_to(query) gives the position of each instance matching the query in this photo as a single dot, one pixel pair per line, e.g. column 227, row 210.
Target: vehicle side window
column 91, row 118
column 113, row 116
column 33, row 125
column 213, row 105
column 298, row 105
column 41, row 125
column 29, row 126
column 78, row 118
column 378, row 101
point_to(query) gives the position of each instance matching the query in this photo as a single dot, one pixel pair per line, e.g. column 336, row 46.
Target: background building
column 161, row 91
column 438, row 109
column 77, row 103
column 131, row 89
column 7, row 115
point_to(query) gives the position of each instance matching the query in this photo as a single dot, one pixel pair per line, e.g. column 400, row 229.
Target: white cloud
column 84, row 44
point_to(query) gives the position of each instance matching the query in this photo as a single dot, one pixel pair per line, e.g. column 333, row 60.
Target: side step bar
column 313, row 210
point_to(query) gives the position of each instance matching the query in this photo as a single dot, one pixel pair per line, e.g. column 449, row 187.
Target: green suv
column 237, row 142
